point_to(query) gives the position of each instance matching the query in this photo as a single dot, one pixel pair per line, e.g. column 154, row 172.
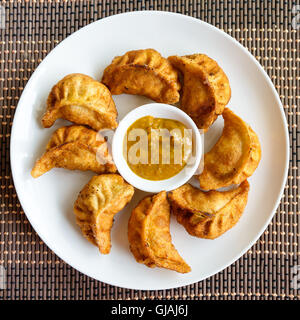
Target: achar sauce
column 157, row 148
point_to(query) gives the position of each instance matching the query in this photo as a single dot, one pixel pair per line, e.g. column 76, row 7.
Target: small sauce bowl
column 157, row 110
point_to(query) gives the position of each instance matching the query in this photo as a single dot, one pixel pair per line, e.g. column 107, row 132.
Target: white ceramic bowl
column 158, row 110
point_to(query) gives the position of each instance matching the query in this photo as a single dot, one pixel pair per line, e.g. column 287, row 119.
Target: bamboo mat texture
column 31, row 29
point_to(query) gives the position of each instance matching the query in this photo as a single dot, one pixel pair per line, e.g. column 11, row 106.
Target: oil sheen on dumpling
column 234, row 157
column 97, row 204
column 75, row 148
column 82, row 100
column 149, row 235
column 208, row 214
column 206, row 89
column 143, row 72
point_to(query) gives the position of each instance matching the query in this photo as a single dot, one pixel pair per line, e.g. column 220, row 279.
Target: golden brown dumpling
column 75, row 148
column 234, row 157
column 143, row 72
column 206, row 89
column 208, row 214
column 82, row 100
column 97, row 204
column 149, row 235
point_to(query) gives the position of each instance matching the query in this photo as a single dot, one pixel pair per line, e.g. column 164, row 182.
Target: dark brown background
column 32, row 29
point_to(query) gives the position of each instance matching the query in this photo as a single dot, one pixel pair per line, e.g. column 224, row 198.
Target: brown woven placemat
column 31, row 30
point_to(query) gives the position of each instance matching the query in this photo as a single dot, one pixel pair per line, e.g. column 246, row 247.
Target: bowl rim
column 154, row 186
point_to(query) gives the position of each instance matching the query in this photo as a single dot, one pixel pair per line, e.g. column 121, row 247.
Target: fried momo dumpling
column 75, row 148
column 143, row 72
column 206, row 89
column 97, row 204
column 149, row 235
column 82, row 100
column 234, row 157
column 208, row 214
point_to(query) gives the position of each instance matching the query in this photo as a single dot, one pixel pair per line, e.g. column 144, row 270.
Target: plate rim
column 18, row 187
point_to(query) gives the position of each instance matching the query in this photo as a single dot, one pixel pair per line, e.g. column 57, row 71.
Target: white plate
column 48, row 200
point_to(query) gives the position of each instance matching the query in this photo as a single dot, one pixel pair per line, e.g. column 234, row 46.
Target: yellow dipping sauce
column 157, row 148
